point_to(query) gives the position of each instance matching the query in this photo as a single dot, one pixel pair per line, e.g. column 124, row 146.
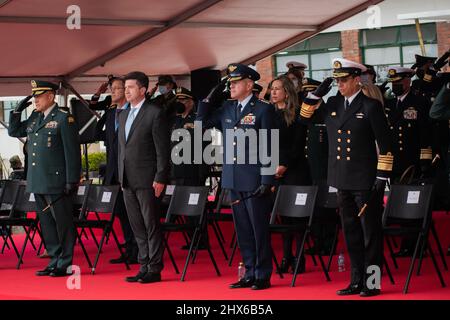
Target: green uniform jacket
column 440, row 109
column 53, row 150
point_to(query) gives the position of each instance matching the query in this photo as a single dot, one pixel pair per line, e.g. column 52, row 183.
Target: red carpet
column 201, row 281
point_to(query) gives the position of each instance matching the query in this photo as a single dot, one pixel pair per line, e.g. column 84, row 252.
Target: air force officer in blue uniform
column 247, row 180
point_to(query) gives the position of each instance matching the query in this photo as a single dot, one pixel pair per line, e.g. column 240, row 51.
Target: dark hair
column 140, row 77
column 112, row 79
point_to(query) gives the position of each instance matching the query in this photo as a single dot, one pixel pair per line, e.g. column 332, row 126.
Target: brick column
column 443, row 39
column 350, row 45
column 266, row 68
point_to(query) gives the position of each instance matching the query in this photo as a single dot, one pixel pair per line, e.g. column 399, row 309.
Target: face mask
column 397, row 89
column 163, row 89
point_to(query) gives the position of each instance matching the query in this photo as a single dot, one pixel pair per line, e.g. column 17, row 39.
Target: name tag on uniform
column 333, row 114
column 359, row 115
column 249, row 119
column 228, row 120
column 410, row 114
column 52, row 125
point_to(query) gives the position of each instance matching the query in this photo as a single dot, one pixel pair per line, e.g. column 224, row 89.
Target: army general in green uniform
column 53, row 170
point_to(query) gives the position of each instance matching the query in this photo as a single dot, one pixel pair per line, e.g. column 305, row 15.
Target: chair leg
column 93, row 237
column 388, row 270
column 23, row 248
column 191, row 247
column 233, row 252
column 105, row 233
column 438, row 243
column 233, row 239
column 277, row 266
column 299, row 255
column 219, row 229
column 420, row 243
column 32, row 238
column 220, row 239
column 116, row 240
column 84, row 251
column 333, row 247
column 395, row 243
column 13, row 245
column 312, row 255
column 436, row 267
column 169, row 252
column 391, row 251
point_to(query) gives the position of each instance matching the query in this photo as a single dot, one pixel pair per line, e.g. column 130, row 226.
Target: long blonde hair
column 372, row 91
column 291, row 98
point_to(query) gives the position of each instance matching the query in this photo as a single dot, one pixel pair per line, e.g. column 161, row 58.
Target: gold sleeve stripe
column 307, row 110
column 384, row 166
column 385, row 162
column 426, row 154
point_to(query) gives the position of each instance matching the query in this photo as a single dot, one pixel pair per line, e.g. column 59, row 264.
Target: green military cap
column 39, row 87
column 182, row 92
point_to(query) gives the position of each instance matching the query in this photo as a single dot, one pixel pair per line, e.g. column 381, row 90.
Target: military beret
column 182, row 92
column 237, row 71
column 399, row 73
column 39, row 87
column 343, row 68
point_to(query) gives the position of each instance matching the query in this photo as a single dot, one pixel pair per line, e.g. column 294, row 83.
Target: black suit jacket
column 105, row 131
column 144, row 156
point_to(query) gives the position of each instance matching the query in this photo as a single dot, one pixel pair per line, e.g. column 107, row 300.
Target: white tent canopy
column 153, row 36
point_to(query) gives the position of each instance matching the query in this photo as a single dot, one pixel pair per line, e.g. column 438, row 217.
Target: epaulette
column 265, row 101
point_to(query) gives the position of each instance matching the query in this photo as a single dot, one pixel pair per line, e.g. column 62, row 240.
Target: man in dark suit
column 106, row 130
column 354, row 123
column 144, row 151
column 53, row 171
column 247, row 181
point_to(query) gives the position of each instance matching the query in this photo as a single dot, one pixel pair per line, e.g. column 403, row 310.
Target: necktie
column 41, row 118
column 347, row 105
column 238, row 111
column 116, row 118
column 399, row 102
column 129, row 122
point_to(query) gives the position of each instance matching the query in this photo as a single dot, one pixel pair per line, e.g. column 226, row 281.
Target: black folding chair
column 409, row 202
column 188, row 201
column 295, row 202
column 7, row 194
column 23, row 202
column 99, row 199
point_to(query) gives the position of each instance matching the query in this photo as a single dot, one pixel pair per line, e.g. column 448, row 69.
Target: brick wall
column 266, row 68
column 350, row 45
column 443, row 38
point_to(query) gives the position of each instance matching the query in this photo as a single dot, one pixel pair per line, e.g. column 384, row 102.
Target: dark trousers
column 58, row 229
column 363, row 235
column 144, row 221
column 131, row 248
column 251, row 221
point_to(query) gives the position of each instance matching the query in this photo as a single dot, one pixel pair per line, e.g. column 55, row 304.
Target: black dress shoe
column 243, row 283
column 150, row 277
column 350, row 290
column 119, row 260
column 60, row 272
column 369, row 292
column 45, row 272
column 301, row 267
column 136, row 277
column 285, row 264
column 261, row 284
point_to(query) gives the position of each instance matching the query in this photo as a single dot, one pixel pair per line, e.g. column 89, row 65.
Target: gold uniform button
column 338, row 157
column 348, row 149
column 348, row 158
column 348, row 140
column 339, row 140
column 306, row 147
column 349, row 132
column 399, row 134
column 339, row 131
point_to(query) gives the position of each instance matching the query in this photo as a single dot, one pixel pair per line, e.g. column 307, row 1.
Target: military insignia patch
column 410, row 114
column 337, row 65
column 70, row 119
column 33, row 84
column 51, row 125
column 359, row 115
column 392, row 72
column 178, row 90
column 248, row 119
column 232, row 68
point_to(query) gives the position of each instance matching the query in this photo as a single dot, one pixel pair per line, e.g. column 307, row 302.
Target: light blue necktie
column 129, row 122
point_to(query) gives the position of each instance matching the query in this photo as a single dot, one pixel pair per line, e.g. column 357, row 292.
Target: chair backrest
column 326, row 196
column 79, row 196
column 24, row 201
column 8, row 192
column 294, row 201
column 100, row 198
column 224, row 200
column 409, row 202
column 188, row 201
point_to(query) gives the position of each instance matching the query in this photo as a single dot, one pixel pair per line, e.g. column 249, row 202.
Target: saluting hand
column 23, row 104
column 158, row 187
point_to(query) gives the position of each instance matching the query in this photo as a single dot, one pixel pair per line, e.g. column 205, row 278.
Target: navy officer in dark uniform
column 354, row 123
column 54, row 168
column 248, row 182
